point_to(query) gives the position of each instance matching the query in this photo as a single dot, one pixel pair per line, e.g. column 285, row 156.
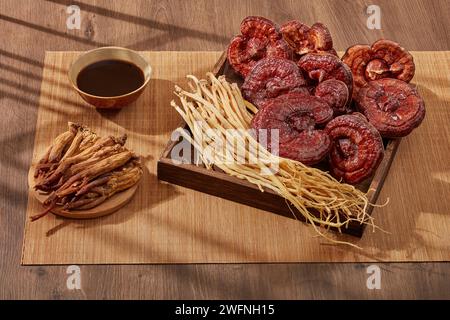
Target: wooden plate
column 111, row 205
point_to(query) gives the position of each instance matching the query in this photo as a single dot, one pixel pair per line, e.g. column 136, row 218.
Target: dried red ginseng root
column 271, row 78
column 259, row 38
column 392, row 106
column 296, row 116
column 384, row 59
column 335, row 93
column 304, row 39
column 357, row 148
column 319, row 67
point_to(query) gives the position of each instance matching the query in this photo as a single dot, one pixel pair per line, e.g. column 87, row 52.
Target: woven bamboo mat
column 170, row 224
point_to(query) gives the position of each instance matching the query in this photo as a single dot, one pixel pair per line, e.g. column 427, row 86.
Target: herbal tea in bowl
column 110, row 77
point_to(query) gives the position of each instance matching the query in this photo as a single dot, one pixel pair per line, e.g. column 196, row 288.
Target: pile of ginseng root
column 81, row 170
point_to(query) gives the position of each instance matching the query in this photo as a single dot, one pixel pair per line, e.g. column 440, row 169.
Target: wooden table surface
column 28, row 28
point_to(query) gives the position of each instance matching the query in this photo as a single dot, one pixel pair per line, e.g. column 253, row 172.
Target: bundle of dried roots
column 81, row 170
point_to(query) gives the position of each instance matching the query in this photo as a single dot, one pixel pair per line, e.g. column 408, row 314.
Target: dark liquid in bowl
column 109, row 78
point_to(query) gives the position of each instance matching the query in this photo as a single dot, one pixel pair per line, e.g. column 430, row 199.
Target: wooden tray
column 217, row 183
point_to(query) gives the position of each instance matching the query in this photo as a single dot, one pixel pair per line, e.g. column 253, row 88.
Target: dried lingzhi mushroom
column 384, row 59
column 319, row 67
column 304, row 39
column 357, row 148
column 271, row 78
column 335, row 93
column 296, row 116
column 260, row 38
column 394, row 107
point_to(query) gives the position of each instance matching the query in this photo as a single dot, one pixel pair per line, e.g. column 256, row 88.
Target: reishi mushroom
column 356, row 148
column 259, row 38
column 384, row 59
column 335, row 93
column 270, row 78
column 318, row 67
column 394, row 107
column 297, row 118
column 304, row 39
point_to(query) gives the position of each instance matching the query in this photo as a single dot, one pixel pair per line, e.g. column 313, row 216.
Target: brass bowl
column 109, row 53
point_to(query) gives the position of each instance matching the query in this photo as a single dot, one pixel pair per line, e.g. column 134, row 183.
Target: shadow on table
column 148, row 23
column 57, row 33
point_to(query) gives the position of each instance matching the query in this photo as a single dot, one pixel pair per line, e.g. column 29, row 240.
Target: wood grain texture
column 168, row 224
column 31, row 27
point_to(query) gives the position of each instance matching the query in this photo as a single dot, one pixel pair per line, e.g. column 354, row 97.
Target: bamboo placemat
column 170, row 224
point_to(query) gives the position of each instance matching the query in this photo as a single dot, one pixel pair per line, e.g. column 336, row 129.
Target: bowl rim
column 75, row 86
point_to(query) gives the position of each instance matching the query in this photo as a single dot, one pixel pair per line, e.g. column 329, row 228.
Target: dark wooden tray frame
column 217, row 183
